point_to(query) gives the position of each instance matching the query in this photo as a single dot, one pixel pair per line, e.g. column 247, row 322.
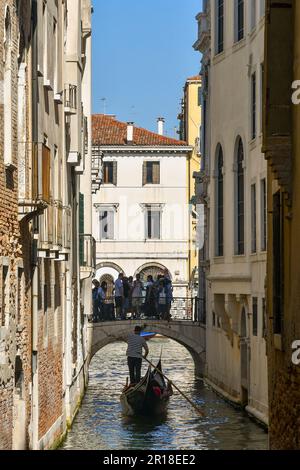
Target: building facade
column 140, row 214
column 281, row 147
column 15, row 299
column 190, row 118
column 48, row 129
column 233, row 186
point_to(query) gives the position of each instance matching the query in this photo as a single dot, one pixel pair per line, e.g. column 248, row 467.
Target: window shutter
column 81, row 229
column 115, row 173
column 156, row 173
column 144, row 173
column 110, row 223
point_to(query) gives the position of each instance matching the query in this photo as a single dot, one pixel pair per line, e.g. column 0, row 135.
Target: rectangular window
column 262, row 7
column 253, row 105
column 239, row 20
column 264, row 319
column 219, row 26
column 253, row 218
column 5, row 295
column 213, row 319
column 252, row 14
column 151, row 173
column 278, row 278
column 263, row 193
column 20, row 297
column 254, row 316
column 109, row 172
column 153, row 224
column 262, row 75
column 106, row 219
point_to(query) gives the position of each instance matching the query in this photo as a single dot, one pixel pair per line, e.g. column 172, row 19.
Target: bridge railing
column 180, row 308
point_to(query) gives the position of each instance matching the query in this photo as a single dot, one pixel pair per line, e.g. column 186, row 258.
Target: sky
column 142, row 55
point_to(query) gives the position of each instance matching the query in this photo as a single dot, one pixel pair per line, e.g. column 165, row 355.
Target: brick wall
column 15, row 333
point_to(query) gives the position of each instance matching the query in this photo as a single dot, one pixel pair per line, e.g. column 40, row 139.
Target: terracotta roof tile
column 106, row 130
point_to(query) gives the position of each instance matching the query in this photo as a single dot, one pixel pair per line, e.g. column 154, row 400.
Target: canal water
column 100, row 425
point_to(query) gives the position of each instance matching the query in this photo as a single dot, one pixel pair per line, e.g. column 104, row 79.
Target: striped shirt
column 136, row 343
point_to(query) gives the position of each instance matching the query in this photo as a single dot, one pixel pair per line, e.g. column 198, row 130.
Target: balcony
column 66, row 230
column 87, row 254
column 203, row 40
column 70, row 100
column 33, row 187
column 57, row 227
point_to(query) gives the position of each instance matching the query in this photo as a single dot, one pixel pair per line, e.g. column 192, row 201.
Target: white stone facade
column 235, row 289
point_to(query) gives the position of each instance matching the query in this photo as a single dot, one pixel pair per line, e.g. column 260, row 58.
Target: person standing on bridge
column 136, row 344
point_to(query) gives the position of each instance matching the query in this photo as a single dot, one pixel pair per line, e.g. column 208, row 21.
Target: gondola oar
column 178, row 389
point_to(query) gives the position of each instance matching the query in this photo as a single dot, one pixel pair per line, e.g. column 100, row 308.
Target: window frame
column 109, row 219
column 253, row 82
column 254, row 316
column 219, row 202
column 253, row 219
column 153, row 210
column 219, row 26
column 240, row 198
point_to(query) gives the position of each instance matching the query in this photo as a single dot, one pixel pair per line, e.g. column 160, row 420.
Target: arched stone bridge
column 187, row 333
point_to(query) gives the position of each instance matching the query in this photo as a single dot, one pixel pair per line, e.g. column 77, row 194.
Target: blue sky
column 142, row 54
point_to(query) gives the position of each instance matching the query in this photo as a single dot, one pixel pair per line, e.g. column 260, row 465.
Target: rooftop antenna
column 104, row 105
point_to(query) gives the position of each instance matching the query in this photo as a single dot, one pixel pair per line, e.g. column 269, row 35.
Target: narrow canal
column 100, row 425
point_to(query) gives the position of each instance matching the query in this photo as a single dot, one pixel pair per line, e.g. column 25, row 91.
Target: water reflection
column 101, row 425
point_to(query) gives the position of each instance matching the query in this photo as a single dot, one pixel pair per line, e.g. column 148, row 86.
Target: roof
column 196, row 78
column 106, row 130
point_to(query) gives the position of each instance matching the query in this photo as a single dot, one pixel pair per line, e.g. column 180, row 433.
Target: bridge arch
column 189, row 334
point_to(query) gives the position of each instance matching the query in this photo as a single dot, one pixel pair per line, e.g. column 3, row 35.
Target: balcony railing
column 70, row 99
column 41, row 164
column 66, row 229
column 179, row 309
column 87, row 252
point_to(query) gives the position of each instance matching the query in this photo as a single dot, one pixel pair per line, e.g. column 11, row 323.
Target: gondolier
column 136, row 344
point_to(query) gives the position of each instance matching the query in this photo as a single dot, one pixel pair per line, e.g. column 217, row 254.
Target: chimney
column 160, row 122
column 130, row 132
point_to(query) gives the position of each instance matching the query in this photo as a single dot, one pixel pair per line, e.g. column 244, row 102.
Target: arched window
column 219, row 204
column 7, row 92
column 240, row 199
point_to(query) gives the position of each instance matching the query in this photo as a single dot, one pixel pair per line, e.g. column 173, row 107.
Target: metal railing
column 179, row 309
column 70, row 97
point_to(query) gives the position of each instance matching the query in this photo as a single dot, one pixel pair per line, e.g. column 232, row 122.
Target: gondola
column 149, row 397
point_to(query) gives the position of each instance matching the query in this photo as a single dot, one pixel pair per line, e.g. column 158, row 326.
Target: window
column 264, row 319
column 106, row 222
column 220, row 204
column 254, row 316
column 153, row 224
column 262, row 74
column 219, row 26
column 253, row 105
column 7, row 92
column 240, row 200
column 253, row 14
column 5, row 295
column 151, row 173
column 263, row 193
column 262, row 8
column 110, row 173
column 213, row 319
column 239, row 20
column 20, row 296
column 277, row 263
column 253, row 218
